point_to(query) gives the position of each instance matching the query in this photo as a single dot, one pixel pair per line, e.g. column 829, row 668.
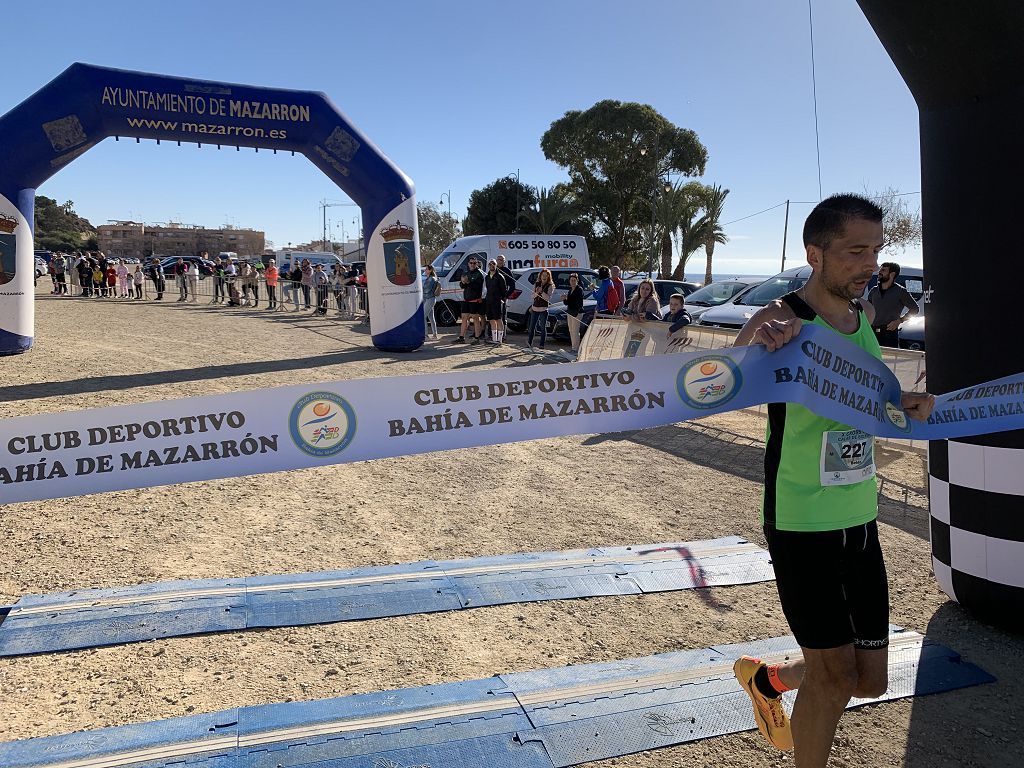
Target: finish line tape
column 271, row 430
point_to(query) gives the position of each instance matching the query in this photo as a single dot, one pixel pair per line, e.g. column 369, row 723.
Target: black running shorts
column 472, row 307
column 832, row 586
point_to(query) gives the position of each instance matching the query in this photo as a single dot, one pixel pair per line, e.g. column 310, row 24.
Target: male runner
column 821, row 531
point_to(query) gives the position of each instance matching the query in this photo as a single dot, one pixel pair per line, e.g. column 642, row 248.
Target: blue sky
column 459, row 92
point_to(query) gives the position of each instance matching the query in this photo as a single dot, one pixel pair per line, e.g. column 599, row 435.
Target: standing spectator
column 50, row 271
column 643, row 305
column 352, row 288
column 179, row 279
column 59, row 264
column 122, row 279
column 306, row 281
column 620, row 291
column 472, row 301
column 606, row 295
column 99, row 280
column 295, row 277
column 138, row 278
column 542, row 291
column 338, row 288
column 431, row 290
column 111, row 280
column 101, row 259
column 510, row 281
column 156, row 274
column 889, row 299
column 85, row 274
column 243, row 280
column 573, row 309
column 73, row 262
column 254, row 283
column 218, row 281
column 192, row 279
column 320, row 282
column 494, row 300
column 231, row 283
column 271, row 277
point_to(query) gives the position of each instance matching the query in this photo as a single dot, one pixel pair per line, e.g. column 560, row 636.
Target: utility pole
column 785, row 234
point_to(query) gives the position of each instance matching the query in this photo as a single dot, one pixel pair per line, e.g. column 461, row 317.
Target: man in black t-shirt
column 472, row 301
column 889, row 299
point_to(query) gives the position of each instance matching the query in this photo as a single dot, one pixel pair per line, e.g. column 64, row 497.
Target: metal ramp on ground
column 97, row 617
column 542, row 719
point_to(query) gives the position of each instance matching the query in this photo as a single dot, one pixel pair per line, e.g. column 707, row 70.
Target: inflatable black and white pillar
column 964, row 64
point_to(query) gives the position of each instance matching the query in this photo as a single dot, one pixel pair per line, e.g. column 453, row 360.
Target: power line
column 814, row 91
column 779, row 205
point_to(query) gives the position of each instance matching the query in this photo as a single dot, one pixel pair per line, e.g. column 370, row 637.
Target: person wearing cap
column 271, row 275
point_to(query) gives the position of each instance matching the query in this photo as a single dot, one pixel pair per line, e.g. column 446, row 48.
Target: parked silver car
column 736, row 312
column 716, row 294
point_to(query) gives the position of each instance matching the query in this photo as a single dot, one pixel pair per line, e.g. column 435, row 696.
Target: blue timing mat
column 542, row 719
column 95, row 617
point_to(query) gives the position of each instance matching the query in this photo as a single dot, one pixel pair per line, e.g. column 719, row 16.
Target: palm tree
column 692, row 235
column 671, row 211
column 714, row 201
column 553, row 211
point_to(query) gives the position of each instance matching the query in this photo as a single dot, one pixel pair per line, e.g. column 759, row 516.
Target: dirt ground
column 686, row 481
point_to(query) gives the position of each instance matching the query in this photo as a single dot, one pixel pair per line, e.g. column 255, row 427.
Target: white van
column 288, row 257
column 520, row 252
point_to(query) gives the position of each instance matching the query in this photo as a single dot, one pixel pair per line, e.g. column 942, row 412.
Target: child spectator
column 138, row 277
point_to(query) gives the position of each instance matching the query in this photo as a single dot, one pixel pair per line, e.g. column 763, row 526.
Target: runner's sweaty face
column 851, row 259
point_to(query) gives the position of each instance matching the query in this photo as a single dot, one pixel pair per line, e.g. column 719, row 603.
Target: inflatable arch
column 86, row 104
column 964, row 65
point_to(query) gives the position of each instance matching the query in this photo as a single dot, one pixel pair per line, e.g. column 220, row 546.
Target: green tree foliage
column 59, row 228
column 692, row 234
column 616, row 153
column 437, row 230
column 554, row 213
column 492, row 210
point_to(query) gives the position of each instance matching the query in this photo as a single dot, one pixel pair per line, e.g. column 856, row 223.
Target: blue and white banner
column 69, row 454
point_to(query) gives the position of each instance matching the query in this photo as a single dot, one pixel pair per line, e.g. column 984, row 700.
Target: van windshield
column 447, row 261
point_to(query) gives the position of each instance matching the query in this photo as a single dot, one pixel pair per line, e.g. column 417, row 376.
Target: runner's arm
column 773, row 326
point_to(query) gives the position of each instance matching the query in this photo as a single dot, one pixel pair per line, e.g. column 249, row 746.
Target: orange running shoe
column 770, row 716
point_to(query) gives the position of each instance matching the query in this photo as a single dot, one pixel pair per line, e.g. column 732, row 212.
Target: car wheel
column 446, row 314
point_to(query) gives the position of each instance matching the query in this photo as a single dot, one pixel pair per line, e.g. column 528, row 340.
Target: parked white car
column 520, row 298
column 715, row 294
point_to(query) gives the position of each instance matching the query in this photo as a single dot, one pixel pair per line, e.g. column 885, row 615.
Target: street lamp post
column 516, row 177
column 324, row 205
column 448, row 194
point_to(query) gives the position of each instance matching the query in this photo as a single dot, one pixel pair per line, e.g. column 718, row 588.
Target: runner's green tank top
column 819, row 473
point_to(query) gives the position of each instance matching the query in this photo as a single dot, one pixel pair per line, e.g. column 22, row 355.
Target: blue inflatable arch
column 86, row 104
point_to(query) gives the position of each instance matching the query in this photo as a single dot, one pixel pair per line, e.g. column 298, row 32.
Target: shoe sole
column 762, row 725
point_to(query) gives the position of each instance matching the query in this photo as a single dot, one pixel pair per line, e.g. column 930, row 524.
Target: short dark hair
column 829, row 218
column 603, row 273
column 680, row 296
column 892, row 266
